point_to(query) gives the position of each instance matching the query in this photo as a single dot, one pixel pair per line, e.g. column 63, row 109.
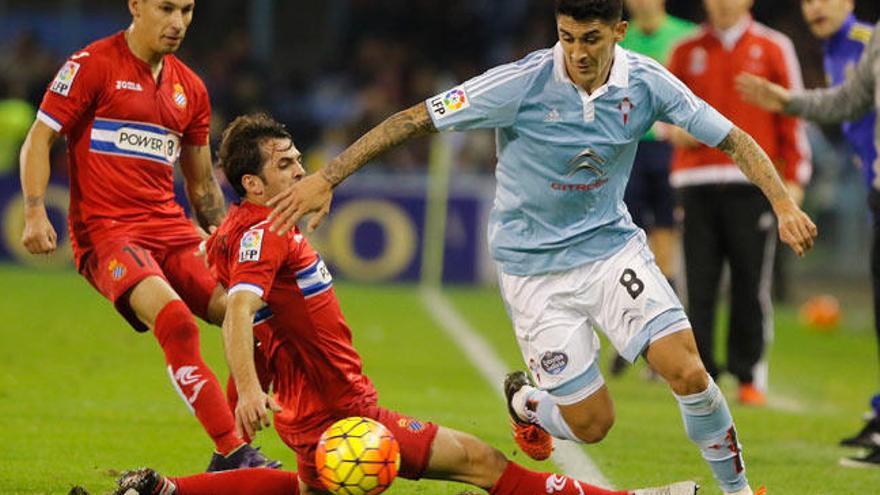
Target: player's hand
column 762, row 93
column 310, row 195
column 680, row 137
column 202, row 250
column 795, row 227
column 39, row 236
column 252, row 413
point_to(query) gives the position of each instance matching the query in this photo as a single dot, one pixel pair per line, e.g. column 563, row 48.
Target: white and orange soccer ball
column 357, row 456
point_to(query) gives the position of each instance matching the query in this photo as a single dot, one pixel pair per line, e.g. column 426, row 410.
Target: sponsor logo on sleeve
column 450, row 102
column 554, row 362
column 251, row 246
column 64, row 78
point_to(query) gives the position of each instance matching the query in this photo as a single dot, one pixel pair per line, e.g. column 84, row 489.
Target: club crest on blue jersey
column 554, row 362
column 625, row 107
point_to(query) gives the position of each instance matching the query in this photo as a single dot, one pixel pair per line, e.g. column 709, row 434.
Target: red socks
column 259, row 481
column 178, row 335
column 517, row 479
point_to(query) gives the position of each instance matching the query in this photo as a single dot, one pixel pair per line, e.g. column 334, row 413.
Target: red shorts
column 122, row 255
column 414, row 437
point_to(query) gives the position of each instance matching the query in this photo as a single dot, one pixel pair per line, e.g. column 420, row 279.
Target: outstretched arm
column 252, row 409
column 202, row 189
column 795, row 227
column 313, row 194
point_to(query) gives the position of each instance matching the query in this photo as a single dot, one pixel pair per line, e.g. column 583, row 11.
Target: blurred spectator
column 727, row 219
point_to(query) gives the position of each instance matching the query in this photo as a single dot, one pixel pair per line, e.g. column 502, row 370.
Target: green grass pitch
column 83, row 397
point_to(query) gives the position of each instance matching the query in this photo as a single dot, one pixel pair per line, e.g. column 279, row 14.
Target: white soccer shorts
column 554, row 315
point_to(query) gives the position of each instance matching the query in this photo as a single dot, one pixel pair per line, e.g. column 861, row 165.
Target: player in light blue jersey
column 568, row 120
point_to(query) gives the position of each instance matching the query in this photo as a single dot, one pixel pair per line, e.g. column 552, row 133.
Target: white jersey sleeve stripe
column 49, row 121
column 246, row 287
column 496, row 83
column 657, row 70
column 476, row 84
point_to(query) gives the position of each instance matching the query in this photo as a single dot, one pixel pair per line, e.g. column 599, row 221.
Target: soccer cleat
column 868, row 437
column 531, row 438
column 869, row 460
column 78, row 490
column 243, row 457
column 679, row 488
column 747, row 490
column 750, row 395
column 144, row 481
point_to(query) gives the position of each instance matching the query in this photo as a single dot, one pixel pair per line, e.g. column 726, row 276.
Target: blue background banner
column 375, row 232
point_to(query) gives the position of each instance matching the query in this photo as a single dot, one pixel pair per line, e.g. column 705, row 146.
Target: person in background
column 844, row 40
column 726, row 218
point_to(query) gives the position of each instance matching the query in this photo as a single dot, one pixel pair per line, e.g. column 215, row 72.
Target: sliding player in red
column 318, row 379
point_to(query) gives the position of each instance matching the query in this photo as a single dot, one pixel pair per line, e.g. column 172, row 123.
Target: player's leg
column 561, row 349
column 640, row 313
column 190, row 278
column 462, row 457
column 243, row 481
column 156, row 304
column 751, row 239
column 706, row 415
column 703, row 257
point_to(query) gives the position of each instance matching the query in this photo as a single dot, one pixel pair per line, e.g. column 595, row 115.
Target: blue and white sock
column 544, row 412
column 709, row 424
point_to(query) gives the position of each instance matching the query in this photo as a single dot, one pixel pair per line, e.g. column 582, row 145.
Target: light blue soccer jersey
column 564, row 157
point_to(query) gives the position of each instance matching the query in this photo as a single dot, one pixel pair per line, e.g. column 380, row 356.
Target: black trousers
column 874, row 205
column 730, row 224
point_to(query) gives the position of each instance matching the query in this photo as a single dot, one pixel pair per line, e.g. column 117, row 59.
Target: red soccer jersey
column 124, row 132
column 320, row 371
column 709, row 68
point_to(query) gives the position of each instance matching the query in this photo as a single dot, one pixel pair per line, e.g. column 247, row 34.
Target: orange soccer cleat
column 751, row 395
column 531, row 438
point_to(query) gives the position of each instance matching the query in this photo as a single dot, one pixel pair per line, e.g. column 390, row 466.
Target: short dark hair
column 240, row 152
column 609, row 11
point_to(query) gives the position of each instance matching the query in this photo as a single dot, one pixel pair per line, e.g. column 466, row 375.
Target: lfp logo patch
column 116, row 269
column 450, row 102
column 251, row 245
column 410, row 424
column 64, row 79
column 179, row 96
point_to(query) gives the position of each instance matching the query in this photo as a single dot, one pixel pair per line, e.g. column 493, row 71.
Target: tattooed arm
column 313, row 194
column 202, row 189
column 39, row 237
column 795, row 227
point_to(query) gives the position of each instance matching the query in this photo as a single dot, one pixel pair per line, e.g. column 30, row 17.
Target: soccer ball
column 357, row 456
